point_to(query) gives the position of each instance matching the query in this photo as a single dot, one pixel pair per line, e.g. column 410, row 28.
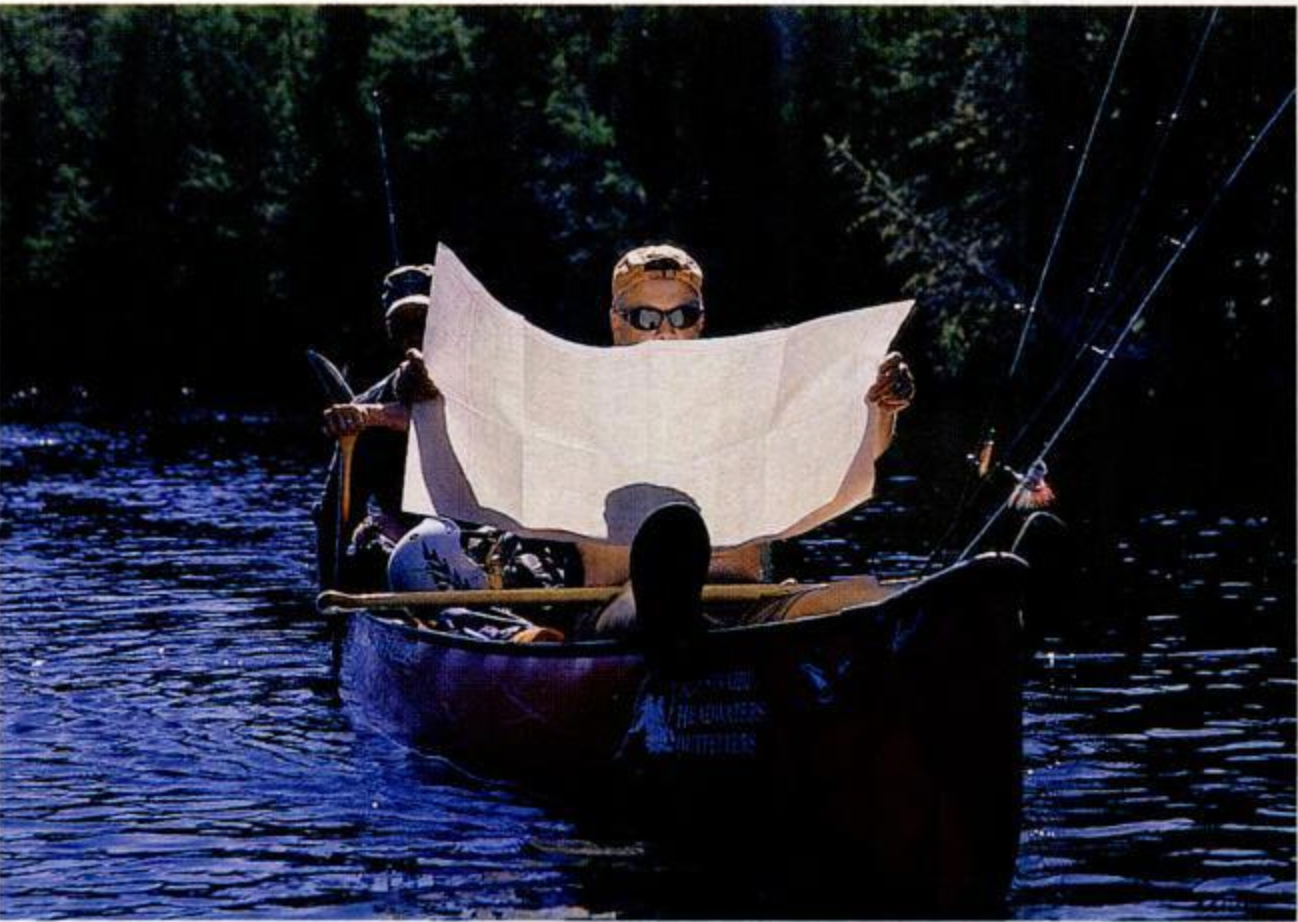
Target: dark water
column 173, row 744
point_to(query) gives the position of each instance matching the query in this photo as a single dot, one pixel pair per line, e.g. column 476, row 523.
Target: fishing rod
column 335, row 385
column 1035, row 472
column 1106, row 268
column 1108, row 264
column 982, row 459
column 1068, row 201
column 388, row 197
column 332, row 381
column 404, row 283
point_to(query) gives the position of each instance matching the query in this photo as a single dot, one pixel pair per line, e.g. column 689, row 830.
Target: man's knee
column 617, row 618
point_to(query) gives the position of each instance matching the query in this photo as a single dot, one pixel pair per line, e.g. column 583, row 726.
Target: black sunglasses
column 648, row 319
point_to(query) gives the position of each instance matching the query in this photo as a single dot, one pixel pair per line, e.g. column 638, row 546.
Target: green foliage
column 177, row 174
column 51, row 194
column 947, row 97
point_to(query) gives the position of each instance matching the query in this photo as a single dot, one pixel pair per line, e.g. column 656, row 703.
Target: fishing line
column 1088, row 348
column 1037, row 468
column 1108, row 264
column 388, row 197
column 973, row 486
column 1068, row 201
column 1112, row 257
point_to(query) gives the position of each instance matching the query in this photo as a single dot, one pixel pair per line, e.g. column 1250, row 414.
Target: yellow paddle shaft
column 596, row 595
column 346, row 445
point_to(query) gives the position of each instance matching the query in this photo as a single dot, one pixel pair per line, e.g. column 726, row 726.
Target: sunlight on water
column 173, row 743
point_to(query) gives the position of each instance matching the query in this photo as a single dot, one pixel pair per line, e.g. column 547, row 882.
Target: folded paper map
column 768, row 434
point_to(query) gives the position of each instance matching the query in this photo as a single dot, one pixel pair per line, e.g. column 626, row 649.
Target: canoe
column 887, row 734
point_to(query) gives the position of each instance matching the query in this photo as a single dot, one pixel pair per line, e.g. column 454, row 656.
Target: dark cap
column 407, row 287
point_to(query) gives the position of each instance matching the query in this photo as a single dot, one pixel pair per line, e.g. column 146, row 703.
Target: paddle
column 337, row 390
column 331, row 380
column 346, row 446
column 593, row 595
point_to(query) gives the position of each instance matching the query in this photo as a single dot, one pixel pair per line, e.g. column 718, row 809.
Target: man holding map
column 658, row 296
column 564, row 442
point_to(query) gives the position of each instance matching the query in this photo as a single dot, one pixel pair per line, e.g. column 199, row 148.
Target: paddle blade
column 332, row 382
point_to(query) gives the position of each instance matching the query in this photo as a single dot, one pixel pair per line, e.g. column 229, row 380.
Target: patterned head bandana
column 661, row 262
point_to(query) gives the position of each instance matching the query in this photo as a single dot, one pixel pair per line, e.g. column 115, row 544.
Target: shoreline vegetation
column 191, row 198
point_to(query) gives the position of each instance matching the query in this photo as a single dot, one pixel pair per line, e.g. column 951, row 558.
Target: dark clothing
column 377, row 482
column 379, row 461
column 377, row 477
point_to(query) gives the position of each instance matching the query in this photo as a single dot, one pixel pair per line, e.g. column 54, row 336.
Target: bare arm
column 412, row 384
column 892, row 391
column 353, row 418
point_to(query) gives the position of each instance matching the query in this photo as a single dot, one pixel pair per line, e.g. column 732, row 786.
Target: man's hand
column 345, row 419
column 894, row 388
column 353, row 418
column 413, row 383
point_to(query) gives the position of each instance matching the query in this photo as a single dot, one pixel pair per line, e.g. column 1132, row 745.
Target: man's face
column 665, row 295
column 406, row 327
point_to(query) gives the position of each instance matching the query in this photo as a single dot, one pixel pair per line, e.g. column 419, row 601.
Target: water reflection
column 172, row 742
column 1160, row 735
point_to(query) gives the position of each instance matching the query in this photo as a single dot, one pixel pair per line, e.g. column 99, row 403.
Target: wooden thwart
column 595, row 595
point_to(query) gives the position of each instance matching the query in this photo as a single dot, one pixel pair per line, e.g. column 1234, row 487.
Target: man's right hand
column 345, row 419
column 353, row 418
column 894, row 388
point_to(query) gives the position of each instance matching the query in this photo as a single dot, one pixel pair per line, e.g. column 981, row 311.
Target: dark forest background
column 191, row 197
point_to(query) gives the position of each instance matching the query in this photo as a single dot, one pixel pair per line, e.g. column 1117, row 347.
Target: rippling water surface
column 173, row 742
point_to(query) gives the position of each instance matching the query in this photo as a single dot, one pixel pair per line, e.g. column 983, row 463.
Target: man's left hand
column 894, row 388
column 413, row 383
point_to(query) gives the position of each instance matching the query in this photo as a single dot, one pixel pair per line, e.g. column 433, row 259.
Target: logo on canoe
column 716, row 716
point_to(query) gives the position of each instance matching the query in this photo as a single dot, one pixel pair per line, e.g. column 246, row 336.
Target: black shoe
column 669, row 564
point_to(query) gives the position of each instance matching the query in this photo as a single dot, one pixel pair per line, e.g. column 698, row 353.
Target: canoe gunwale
column 727, row 636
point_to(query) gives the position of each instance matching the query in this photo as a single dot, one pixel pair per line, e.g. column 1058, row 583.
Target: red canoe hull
column 890, row 733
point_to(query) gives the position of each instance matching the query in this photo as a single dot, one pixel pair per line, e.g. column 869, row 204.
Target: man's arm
column 411, row 384
column 892, row 391
column 353, row 418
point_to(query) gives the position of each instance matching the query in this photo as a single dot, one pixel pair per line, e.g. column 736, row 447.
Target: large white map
column 768, row 434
